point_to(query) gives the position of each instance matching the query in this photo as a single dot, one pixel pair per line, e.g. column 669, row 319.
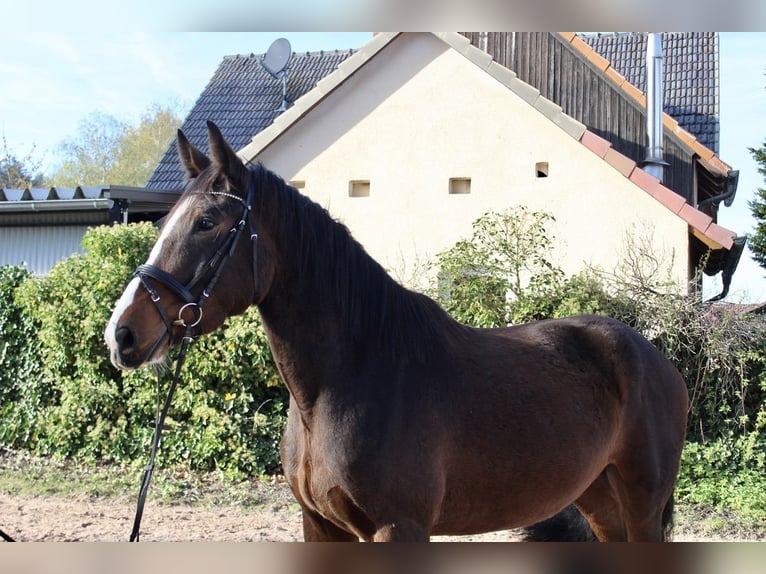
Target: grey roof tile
column 242, row 98
column 690, row 75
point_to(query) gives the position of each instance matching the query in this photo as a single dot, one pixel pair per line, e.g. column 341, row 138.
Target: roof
column 700, row 224
column 708, row 157
column 690, row 66
column 54, row 206
column 242, row 98
column 81, row 205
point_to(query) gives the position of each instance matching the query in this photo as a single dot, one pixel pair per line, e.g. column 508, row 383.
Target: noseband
column 215, row 265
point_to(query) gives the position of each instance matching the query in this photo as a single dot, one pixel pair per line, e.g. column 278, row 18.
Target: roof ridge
column 669, row 123
column 336, row 51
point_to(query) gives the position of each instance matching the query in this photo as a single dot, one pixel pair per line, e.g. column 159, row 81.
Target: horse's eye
column 205, row 224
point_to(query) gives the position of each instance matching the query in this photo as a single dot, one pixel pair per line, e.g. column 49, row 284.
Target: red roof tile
column 700, row 223
column 620, row 162
column 595, row 143
column 695, row 218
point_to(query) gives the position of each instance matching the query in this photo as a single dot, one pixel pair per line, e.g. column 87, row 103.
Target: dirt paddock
column 87, row 518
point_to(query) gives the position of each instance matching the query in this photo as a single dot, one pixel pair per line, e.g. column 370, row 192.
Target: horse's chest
column 322, row 479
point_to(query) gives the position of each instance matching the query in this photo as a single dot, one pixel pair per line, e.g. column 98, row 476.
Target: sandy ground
column 85, row 518
column 80, row 518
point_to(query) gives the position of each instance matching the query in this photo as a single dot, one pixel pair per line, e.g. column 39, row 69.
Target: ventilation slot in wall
column 359, row 188
column 459, row 185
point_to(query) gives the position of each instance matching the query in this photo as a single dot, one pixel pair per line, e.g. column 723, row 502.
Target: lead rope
column 183, row 291
column 159, row 426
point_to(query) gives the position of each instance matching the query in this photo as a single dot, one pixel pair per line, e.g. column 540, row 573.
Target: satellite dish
column 276, row 59
column 275, row 63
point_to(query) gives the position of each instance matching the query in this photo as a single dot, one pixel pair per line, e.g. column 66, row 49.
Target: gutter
column 732, row 179
column 55, row 205
column 729, row 266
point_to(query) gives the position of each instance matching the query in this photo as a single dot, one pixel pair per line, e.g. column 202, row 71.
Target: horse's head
column 208, row 262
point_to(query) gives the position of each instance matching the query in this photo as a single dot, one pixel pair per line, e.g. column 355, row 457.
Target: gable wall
column 418, row 114
column 543, row 60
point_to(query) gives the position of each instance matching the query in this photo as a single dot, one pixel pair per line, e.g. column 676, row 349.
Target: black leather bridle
column 214, row 267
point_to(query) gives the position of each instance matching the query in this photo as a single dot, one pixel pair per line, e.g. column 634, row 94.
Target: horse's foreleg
column 318, row 529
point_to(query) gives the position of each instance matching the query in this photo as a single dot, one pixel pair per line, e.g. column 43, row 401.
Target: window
column 297, row 183
column 359, row 188
column 541, row 169
column 459, row 185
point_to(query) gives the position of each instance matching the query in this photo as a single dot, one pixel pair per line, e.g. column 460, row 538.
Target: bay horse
column 402, row 422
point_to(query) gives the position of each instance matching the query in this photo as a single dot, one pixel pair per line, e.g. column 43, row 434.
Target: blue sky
column 50, row 81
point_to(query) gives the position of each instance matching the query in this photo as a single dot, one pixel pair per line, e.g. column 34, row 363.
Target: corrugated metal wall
column 39, row 247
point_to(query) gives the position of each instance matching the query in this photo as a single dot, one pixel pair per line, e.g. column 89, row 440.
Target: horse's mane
column 341, row 274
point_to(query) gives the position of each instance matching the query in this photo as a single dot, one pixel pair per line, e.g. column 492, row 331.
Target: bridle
column 213, row 266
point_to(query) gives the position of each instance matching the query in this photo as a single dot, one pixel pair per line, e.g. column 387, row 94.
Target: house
column 416, row 135
column 600, row 80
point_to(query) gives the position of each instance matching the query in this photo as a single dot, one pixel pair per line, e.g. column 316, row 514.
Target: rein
column 146, row 271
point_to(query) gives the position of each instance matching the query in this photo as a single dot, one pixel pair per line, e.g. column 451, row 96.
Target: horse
column 404, row 423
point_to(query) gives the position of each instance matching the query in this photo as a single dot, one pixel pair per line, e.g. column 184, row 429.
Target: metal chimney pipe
column 654, row 162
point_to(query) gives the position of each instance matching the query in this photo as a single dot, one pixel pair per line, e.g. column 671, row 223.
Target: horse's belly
column 504, row 494
column 475, row 516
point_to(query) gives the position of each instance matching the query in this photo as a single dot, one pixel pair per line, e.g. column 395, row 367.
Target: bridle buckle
column 181, row 322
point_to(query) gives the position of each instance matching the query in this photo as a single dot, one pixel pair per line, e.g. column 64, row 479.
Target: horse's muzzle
column 125, row 350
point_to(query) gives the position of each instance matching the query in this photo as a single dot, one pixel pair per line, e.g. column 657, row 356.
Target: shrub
column 85, row 408
column 19, row 365
column 228, row 412
column 231, row 407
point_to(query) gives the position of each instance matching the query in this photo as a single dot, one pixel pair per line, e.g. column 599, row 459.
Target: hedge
column 62, row 397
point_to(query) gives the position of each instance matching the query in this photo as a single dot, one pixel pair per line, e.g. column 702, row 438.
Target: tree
column 108, row 151
column 18, row 173
column 141, row 147
column 496, row 277
column 757, row 240
column 90, row 156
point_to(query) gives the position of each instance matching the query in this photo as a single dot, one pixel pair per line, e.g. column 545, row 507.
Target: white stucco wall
column 420, row 113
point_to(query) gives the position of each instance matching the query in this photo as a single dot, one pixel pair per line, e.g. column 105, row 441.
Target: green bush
column 503, row 275
column 85, row 408
column 228, row 412
column 19, row 365
column 231, row 407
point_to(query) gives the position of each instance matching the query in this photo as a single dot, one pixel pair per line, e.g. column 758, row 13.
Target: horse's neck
column 306, row 354
column 304, row 331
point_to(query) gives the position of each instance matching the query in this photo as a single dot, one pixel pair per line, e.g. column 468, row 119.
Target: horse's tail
column 667, row 519
column 570, row 525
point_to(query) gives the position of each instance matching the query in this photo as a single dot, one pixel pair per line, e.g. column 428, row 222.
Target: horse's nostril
column 126, row 340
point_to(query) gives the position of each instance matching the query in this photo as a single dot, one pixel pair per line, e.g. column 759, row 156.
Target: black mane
column 340, row 274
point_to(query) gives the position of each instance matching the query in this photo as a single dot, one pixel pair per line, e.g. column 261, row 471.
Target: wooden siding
column 544, row 61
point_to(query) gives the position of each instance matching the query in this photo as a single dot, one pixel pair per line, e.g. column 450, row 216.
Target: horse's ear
column 225, row 158
column 193, row 160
